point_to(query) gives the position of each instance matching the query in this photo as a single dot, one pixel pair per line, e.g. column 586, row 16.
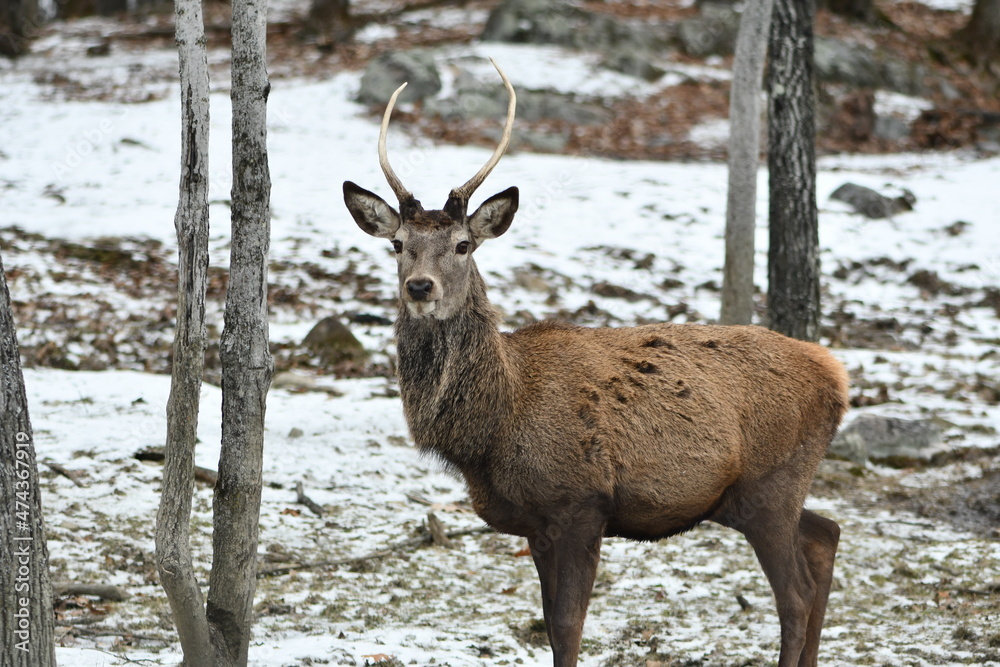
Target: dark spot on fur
column 587, row 417
column 683, row 391
column 711, row 344
column 658, row 342
column 646, row 367
column 682, row 416
column 591, row 448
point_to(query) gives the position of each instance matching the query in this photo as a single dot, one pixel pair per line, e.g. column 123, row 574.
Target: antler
column 402, row 194
column 463, row 193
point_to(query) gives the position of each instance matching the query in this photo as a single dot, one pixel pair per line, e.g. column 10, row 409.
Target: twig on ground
column 68, row 474
column 438, row 535
column 303, row 499
column 206, row 475
column 420, row 500
column 114, row 632
column 382, row 553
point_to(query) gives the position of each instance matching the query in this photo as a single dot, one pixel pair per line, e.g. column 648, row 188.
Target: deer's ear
column 494, row 216
column 370, row 211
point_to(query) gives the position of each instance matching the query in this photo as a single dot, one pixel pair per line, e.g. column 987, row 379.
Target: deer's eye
column 462, row 248
column 397, row 246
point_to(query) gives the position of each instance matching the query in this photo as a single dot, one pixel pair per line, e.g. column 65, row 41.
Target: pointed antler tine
column 383, row 155
column 466, row 190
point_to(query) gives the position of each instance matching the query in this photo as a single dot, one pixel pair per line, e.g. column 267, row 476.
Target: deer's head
column 434, row 248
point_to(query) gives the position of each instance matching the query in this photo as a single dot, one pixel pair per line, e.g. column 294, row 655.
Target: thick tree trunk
column 27, row 623
column 173, row 546
column 744, row 159
column 793, row 254
column 330, row 21
column 981, row 35
column 246, row 360
column 857, row 10
column 18, row 24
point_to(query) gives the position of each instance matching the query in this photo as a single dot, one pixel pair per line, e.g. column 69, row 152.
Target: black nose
column 419, row 290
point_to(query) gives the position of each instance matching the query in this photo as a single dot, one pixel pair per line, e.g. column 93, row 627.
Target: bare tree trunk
column 246, row 360
column 981, row 35
column 857, row 10
column 27, row 623
column 744, row 159
column 18, row 24
column 330, row 21
column 793, row 254
column 173, row 544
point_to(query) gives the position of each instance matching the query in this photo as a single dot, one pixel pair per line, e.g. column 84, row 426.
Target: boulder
column 633, row 61
column 564, row 24
column 473, row 99
column 712, row 33
column 839, row 61
column 891, row 128
column 334, row 343
column 389, row 71
column 878, row 438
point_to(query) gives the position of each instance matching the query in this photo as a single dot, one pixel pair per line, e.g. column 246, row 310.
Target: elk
column 566, row 435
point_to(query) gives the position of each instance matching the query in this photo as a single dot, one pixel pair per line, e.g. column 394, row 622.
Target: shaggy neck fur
column 455, row 380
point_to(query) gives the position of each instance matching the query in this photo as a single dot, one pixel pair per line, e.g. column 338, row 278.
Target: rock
column 948, row 91
column 633, row 61
column 389, row 71
column 988, row 139
column 563, row 24
column 891, row 128
column 296, row 432
column 871, row 204
column 473, row 99
column 529, row 277
column 712, row 33
column 839, row 61
column 293, row 381
column 550, row 105
column 544, row 142
column 902, row 77
column 873, row 437
column 102, row 48
column 333, row 342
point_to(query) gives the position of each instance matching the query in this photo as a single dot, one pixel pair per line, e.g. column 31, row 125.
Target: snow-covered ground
column 909, row 591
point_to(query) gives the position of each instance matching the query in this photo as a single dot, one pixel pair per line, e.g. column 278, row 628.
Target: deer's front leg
column 566, row 558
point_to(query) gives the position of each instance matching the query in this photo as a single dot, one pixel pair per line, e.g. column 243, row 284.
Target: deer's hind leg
column 768, row 512
column 779, row 551
column 819, row 537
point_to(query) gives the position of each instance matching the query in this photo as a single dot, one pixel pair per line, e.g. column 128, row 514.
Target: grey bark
column 27, row 623
column 330, row 22
column 18, row 24
column 246, row 360
column 744, row 159
column 981, row 35
column 793, row 253
column 173, row 545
